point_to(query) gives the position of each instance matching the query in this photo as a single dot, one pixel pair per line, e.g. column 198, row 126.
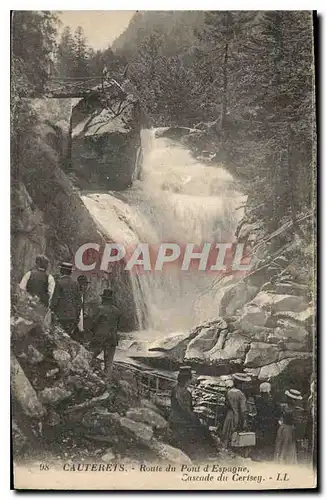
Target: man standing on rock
column 66, row 302
column 38, row 282
column 105, row 330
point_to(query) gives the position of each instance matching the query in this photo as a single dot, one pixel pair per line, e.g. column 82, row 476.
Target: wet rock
column 202, row 343
column 173, row 345
column 261, row 354
column 24, row 393
column 147, row 416
column 169, row 453
column 235, row 348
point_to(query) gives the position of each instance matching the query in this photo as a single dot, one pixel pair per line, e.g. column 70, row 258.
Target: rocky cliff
column 266, row 326
column 48, row 214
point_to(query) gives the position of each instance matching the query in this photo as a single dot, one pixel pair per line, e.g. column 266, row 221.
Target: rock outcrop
column 59, row 396
column 105, row 139
column 49, row 216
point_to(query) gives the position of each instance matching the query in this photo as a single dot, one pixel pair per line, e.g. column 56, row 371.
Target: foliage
column 251, row 75
column 75, row 58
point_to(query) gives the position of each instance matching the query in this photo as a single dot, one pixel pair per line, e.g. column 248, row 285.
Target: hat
column 107, row 293
column 66, row 265
column 242, row 377
column 185, row 369
column 293, row 393
column 42, row 261
column 265, row 387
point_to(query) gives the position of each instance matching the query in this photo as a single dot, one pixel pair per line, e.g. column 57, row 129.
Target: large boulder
column 235, row 348
column 236, row 297
column 290, row 331
column 293, row 303
column 169, row 454
column 24, row 393
column 261, row 354
column 138, row 431
column 273, row 370
column 254, row 315
column 106, row 140
column 147, row 416
column 173, row 345
column 202, row 343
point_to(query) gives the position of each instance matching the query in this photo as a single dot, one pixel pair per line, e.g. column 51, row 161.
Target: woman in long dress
column 266, row 424
column 236, row 409
column 285, row 447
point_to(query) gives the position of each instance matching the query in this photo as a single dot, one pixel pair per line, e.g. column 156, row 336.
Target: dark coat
column 106, row 324
column 66, row 301
column 38, row 285
column 267, row 420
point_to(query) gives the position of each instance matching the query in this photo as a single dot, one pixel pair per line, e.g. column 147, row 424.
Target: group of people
column 280, row 429
column 65, row 299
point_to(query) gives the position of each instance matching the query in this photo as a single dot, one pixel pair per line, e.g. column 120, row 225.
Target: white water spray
column 178, row 200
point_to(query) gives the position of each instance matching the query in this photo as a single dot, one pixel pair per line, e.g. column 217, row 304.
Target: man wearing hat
column 38, row 282
column 105, row 330
column 66, row 302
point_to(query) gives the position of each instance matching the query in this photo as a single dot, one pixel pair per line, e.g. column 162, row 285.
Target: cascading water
column 178, row 200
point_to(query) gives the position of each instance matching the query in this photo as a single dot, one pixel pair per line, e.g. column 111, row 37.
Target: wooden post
column 157, row 388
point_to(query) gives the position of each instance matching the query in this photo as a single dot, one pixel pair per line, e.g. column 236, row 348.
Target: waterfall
column 177, row 200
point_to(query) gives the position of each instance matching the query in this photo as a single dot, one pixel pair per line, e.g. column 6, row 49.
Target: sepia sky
column 101, row 27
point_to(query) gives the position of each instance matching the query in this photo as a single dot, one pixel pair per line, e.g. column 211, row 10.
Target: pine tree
column 33, row 45
column 81, row 67
column 65, row 62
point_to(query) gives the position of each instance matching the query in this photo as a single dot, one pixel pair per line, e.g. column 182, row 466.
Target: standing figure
column 266, row 422
column 187, row 431
column 66, row 302
column 83, row 285
column 235, row 419
column 285, row 447
column 38, row 282
column 105, row 330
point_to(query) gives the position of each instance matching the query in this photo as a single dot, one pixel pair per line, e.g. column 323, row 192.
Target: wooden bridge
column 69, row 88
column 156, row 385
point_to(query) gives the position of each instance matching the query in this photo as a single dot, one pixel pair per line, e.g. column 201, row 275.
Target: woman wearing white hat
column 236, row 408
column 285, row 447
